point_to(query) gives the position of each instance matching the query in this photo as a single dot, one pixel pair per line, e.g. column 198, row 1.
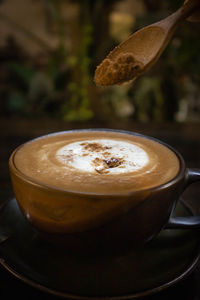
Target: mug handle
column 192, row 175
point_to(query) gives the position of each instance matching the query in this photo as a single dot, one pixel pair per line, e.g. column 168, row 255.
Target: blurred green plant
column 65, row 76
column 78, row 108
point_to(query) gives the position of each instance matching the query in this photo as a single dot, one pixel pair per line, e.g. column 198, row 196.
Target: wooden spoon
column 142, row 49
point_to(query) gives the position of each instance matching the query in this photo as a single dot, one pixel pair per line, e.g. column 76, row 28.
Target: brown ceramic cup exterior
column 130, row 227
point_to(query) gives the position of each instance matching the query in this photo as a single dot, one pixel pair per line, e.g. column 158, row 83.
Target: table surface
column 184, row 137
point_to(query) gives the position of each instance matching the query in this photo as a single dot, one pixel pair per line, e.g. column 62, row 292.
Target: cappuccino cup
column 100, row 191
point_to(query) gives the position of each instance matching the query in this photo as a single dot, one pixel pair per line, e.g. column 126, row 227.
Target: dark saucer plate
column 162, row 262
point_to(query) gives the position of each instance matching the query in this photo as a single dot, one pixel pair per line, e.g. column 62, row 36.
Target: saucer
column 164, row 261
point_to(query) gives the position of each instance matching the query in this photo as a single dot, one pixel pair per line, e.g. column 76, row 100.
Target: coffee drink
column 97, row 162
column 98, row 191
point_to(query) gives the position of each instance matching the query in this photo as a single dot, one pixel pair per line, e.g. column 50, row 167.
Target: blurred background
column 49, row 50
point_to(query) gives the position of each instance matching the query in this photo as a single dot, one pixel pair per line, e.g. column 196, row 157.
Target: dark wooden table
column 184, row 137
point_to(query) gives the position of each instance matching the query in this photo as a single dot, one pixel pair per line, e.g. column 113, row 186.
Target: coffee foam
column 97, row 162
column 103, row 156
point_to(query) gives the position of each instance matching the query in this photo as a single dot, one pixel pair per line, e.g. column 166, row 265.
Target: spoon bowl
column 142, row 49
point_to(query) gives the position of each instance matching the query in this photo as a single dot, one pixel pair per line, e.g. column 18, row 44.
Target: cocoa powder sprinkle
column 112, row 162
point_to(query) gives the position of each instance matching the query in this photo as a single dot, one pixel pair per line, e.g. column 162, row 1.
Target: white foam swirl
column 103, row 156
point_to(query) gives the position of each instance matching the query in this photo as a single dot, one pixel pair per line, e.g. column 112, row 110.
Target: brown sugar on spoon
column 122, row 68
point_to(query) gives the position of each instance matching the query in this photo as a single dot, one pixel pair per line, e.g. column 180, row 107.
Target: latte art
column 103, row 156
column 97, row 162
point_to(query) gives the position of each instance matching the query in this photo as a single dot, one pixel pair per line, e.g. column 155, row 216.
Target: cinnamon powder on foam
column 118, row 70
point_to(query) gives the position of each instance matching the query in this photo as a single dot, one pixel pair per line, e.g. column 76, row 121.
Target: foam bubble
column 103, row 156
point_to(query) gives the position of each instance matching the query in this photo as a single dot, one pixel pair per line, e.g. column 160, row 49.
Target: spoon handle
column 190, row 6
column 194, row 17
column 174, row 20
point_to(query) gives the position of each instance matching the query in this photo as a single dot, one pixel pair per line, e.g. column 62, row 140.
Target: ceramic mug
column 129, row 228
